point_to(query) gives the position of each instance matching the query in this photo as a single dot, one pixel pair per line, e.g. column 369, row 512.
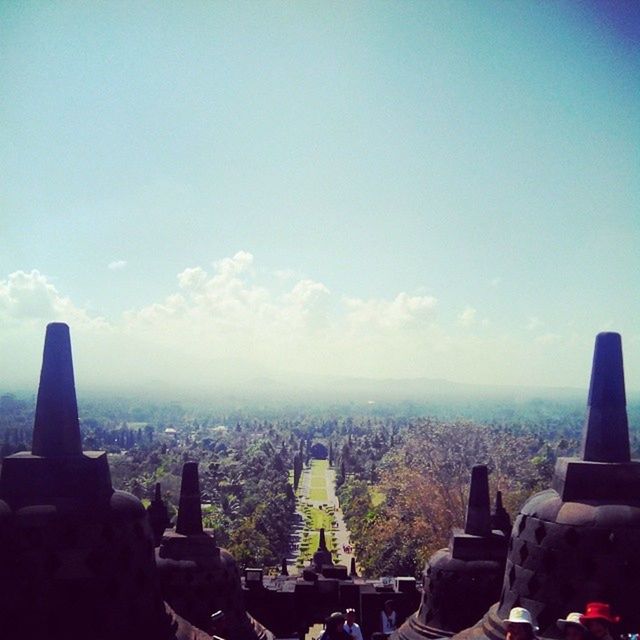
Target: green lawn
column 316, row 519
column 318, row 480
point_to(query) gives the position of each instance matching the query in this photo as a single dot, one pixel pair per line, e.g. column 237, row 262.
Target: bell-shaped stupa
column 199, row 578
column 77, row 556
column 460, row 582
column 579, row 541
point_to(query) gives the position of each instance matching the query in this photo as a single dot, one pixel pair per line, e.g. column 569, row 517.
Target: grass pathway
column 318, row 506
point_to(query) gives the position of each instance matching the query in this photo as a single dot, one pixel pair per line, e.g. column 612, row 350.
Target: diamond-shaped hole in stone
column 524, row 552
column 533, row 584
column 512, row 575
column 540, row 533
column 522, row 524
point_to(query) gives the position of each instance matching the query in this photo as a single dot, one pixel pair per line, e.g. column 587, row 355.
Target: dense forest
column 402, row 479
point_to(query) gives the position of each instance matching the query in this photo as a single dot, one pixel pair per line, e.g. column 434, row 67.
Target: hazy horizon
column 210, row 194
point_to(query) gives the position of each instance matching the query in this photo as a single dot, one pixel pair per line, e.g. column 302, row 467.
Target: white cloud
column 403, row 311
column 28, row 296
column 192, row 278
column 241, row 262
column 233, row 321
column 467, row 317
column 495, row 282
column 117, row 265
column 284, row 275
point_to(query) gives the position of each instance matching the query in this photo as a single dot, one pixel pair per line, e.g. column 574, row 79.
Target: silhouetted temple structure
column 468, row 573
column 500, row 519
column 158, row 515
column 580, row 540
column 199, row 578
column 290, row 605
column 322, row 557
column 77, row 558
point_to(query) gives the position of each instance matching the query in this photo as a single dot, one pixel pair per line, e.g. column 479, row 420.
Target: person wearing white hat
column 520, row 625
column 572, row 628
column 351, row 626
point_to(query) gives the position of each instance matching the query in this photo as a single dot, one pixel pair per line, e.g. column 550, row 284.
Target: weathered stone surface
column 56, row 430
column 500, row 519
column 606, row 431
column 198, row 578
column 76, row 557
column 460, row 582
column 189, row 521
column 478, row 520
column 158, row 515
column 579, row 541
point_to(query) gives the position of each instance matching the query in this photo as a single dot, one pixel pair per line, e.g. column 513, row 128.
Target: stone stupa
column 461, row 581
column 580, row 540
column 76, row 557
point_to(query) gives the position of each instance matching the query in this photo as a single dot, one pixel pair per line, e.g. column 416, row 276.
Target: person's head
column 598, row 619
column 572, row 628
column 335, row 621
column 351, row 616
column 388, row 607
column 520, row 625
column 598, row 628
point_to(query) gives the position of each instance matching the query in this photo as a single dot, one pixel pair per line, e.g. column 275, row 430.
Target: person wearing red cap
column 599, row 620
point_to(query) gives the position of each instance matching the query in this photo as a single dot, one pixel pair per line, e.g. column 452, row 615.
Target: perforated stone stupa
column 460, row 582
column 199, row 578
column 580, row 540
column 76, row 557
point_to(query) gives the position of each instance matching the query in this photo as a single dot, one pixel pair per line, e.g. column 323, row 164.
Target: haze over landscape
column 261, row 197
column 319, row 320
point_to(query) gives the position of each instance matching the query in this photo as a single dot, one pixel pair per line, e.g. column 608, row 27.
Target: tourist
column 599, row 620
column 388, row 618
column 334, row 628
column 351, row 626
column 520, row 625
column 572, row 628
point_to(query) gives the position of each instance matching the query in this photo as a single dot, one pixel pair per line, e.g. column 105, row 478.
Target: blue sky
column 435, row 189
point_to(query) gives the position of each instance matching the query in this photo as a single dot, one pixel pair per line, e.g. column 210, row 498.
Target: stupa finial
column 56, row 430
column 478, row 522
column 189, row 510
column 606, row 430
column 322, row 542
